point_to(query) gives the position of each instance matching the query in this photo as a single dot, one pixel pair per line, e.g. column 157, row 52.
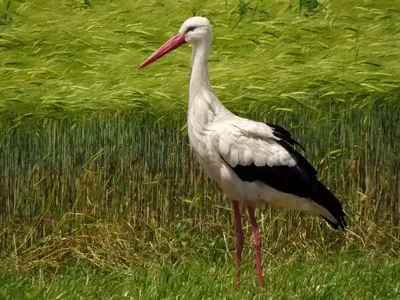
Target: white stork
column 252, row 162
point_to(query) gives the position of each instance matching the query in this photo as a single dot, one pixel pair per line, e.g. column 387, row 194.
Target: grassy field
column 61, row 57
column 350, row 276
column 95, row 167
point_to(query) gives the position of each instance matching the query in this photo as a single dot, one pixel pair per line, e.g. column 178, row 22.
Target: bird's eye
column 191, row 28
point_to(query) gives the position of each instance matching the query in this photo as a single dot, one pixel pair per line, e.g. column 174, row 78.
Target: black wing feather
column 285, row 135
column 300, row 180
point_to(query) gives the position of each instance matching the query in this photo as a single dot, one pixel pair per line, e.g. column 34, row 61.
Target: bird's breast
column 209, row 159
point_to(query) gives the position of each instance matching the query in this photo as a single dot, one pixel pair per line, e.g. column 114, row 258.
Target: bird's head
column 193, row 30
column 196, row 29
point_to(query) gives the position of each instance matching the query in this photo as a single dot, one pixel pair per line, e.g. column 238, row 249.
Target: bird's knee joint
column 257, row 242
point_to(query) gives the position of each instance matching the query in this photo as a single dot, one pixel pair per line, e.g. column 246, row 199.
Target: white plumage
column 231, row 140
column 253, row 163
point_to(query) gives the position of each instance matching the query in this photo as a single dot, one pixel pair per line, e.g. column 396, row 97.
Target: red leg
column 239, row 240
column 257, row 246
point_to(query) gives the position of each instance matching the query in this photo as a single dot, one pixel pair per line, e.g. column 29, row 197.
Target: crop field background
column 100, row 194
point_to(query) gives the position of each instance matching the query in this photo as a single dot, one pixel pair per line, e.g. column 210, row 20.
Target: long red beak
column 173, row 43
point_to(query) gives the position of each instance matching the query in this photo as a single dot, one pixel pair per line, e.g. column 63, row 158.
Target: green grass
column 77, row 59
column 60, row 175
column 95, row 162
column 351, row 276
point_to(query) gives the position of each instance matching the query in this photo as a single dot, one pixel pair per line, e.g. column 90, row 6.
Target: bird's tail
column 327, row 200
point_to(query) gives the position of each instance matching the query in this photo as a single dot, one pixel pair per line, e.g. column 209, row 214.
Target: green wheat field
column 100, row 194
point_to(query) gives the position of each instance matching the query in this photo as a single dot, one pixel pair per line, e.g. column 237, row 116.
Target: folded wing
column 256, row 151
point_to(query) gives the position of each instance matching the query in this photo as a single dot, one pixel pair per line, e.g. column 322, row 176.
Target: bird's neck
column 203, row 102
column 199, row 74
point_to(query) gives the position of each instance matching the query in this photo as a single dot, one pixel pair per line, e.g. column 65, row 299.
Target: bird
column 253, row 163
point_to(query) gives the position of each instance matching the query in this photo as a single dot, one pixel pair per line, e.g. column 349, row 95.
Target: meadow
column 99, row 188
